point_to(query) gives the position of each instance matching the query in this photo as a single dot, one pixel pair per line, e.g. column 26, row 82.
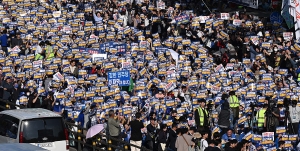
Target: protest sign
column 287, row 35
column 56, row 14
column 237, row 22
column 67, row 29
column 225, row 16
column 161, row 4
column 99, row 56
column 254, row 39
column 266, row 45
column 267, row 138
column 170, row 86
column 121, row 78
column 38, row 63
column 219, row 68
column 203, row 19
column 57, row 76
column 14, row 49
column 182, row 19
column 126, row 65
column 121, row 48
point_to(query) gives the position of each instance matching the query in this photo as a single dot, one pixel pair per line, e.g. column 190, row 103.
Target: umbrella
column 94, row 130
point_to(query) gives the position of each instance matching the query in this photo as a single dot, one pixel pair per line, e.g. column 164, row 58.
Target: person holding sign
column 39, row 51
column 97, row 18
column 7, row 88
column 33, row 99
column 17, row 41
column 15, row 93
column 73, row 68
column 49, row 51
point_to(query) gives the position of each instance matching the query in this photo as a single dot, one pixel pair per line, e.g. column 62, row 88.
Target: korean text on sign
column 122, row 78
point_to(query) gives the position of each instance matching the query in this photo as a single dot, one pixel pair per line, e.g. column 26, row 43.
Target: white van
column 36, row 126
column 20, row 147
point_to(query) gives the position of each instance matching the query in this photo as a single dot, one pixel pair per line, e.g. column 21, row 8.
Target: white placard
column 58, row 76
column 126, row 65
column 56, row 14
column 99, row 56
column 237, row 22
column 161, row 5
column 225, row 16
column 287, row 35
column 203, row 19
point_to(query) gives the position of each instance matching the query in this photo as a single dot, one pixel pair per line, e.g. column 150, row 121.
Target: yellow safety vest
column 234, row 101
column 38, row 57
column 201, row 115
column 49, row 48
column 260, row 118
column 298, row 79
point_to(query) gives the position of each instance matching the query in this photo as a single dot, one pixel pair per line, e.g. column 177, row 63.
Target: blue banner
column 103, row 47
column 121, row 47
column 276, row 17
column 122, row 78
column 161, row 49
column 91, row 50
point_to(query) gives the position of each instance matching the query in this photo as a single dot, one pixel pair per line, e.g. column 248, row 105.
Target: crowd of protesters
column 199, row 79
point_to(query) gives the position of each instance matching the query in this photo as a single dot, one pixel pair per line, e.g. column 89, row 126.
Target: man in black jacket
column 16, row 93
column 201, row 116
column 17, row 41
column 33, row 99
column 151, row 133
column 245, row 49
column 211, row 145
column 7, row 88
column 172, row 138
column 136, row 134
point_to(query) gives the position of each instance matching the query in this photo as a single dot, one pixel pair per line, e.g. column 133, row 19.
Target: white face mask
column 275, row 49
column 28, row 93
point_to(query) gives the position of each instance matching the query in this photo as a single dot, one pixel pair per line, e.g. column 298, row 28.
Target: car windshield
column 43, row 130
